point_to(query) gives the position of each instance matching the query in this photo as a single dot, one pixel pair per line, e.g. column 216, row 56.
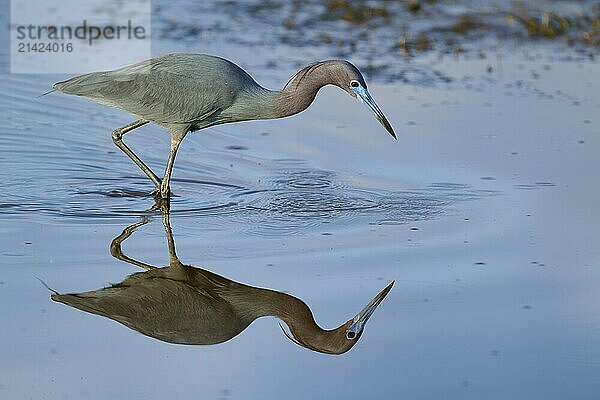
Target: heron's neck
column 302, row 89
column 294, row 312
column 260, row 103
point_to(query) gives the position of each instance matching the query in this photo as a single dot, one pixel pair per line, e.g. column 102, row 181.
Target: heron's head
column 340, row 73
column 349, row 79
column 342, row 339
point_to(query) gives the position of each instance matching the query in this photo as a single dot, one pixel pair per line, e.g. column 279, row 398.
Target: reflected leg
column 173, row 259
column 115, row 245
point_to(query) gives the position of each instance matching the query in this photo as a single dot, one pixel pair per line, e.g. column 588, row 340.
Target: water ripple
column 303, row 178
column 289, row 202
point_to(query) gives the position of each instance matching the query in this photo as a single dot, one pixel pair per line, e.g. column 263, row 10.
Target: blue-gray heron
column 188, row 92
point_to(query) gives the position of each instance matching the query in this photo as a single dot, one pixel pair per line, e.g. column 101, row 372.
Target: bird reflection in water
column 188, row 305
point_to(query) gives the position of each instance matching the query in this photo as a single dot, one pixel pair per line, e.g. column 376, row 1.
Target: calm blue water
column 484, row 212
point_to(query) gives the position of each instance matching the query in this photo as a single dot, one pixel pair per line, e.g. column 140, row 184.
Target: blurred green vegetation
column 412, row 26
column 355, row 12
column 519, row 20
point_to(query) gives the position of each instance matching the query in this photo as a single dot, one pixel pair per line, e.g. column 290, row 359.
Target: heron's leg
column 175, row 142
column 117, row 136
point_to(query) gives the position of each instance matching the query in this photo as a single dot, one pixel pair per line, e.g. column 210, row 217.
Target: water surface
column 485, row 213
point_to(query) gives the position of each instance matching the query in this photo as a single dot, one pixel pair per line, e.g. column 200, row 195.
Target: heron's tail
column 48, row 92
column 99, row 302
column 83, row 85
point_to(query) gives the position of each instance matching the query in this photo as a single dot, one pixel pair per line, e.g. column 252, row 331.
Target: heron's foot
column 160, row 203
column 161, row 192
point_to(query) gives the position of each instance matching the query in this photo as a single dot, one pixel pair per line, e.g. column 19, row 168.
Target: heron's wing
column 172, row 89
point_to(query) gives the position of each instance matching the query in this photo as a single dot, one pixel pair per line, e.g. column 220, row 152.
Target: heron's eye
column 350, row 335
column 354, row 84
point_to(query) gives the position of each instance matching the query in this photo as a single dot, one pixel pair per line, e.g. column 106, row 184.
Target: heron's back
column 167, row 90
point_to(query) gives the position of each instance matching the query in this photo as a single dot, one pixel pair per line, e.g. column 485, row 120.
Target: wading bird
column 189, row 92
column 187, row 305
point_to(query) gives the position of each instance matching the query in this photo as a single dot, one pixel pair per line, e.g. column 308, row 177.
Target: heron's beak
column 358, row 323
column 365, row 97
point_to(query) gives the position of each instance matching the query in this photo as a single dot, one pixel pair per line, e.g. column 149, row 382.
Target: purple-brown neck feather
column 301, row 90
column 299, row 319
column 257, row 102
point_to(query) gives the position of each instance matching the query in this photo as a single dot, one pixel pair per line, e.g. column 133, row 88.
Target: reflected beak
column 358, row 323
column 365, row 97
